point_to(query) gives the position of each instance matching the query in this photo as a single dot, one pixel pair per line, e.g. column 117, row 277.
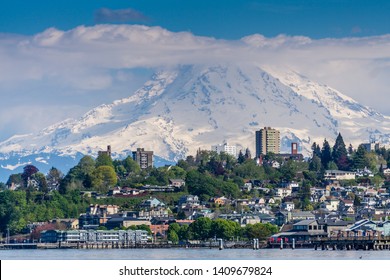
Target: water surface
column 190, row 254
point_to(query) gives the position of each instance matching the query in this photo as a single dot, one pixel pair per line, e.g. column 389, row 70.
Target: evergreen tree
column 248, row 154
column 88, row 181
column 183, row 164
column 316, row 150
column 190, row 160
column 339, row 154
column 326, row 154
column 350, row 149
column 197, row 157
column 241, row 157
column 315, row 164
column 220, row 170
column 332, row 165
column 305, row 194
column 289, row 170
column 356, row 201
column 360, row 158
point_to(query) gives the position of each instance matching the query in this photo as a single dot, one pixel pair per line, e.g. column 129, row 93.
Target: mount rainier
column 195, row 106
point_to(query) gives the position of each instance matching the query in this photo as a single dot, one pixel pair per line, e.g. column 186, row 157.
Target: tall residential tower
column 267, row 141
column 143, row 158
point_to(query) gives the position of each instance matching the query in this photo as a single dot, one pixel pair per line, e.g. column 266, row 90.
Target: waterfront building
column 104, row 236
column 302, row 231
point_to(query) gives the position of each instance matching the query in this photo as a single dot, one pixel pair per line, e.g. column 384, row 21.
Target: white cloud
column 86, row 66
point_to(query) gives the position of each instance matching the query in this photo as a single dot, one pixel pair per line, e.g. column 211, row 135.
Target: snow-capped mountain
column 195, row 106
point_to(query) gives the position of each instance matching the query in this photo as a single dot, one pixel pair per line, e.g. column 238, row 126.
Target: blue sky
column 57, row 61
column 228, row 19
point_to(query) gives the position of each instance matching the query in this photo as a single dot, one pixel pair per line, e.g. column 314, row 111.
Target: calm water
column 185, row 254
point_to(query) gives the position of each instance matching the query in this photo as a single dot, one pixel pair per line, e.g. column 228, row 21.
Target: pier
column 335, row 243
column 352, row 243
column 16, row 246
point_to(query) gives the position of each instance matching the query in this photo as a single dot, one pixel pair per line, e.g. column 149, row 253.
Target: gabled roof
column 360, row 223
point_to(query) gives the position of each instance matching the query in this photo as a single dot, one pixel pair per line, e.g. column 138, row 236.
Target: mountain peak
column 195, row 106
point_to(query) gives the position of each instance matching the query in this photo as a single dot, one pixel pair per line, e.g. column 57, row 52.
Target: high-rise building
column 267, row 141
column 143, row 158
column 225, row 147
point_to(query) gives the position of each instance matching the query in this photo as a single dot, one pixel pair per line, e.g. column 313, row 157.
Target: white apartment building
column 225, row 147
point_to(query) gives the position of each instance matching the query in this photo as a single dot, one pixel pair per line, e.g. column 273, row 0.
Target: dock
column 17, row 246
column 352, row 243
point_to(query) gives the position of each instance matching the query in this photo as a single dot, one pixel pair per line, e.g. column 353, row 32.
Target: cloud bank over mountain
column 58, row 74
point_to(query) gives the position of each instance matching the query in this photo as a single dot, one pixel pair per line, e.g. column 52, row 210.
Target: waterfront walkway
column 352, row 243
column 336, row 243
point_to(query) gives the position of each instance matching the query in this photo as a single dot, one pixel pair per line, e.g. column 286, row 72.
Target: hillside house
column 177, row 183
column 247, row 187
column 151, row 203
column 283, row 192
column 221, row 201
column 189, row 201
column 339, row 175
column 287, row 206
column 66, row 223
column 386, row 172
